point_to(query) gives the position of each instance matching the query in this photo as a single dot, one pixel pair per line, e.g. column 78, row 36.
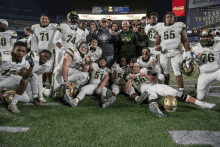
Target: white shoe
column 153, row 108
column 42, row 100
column 207, row 105
column 13, row 108
column 75, row 102
column 143, row 97
column 108, row 94
column 69, row 100
column 109, row 102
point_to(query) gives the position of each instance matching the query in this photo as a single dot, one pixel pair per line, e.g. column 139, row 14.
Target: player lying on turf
column 15, row 71
column 120, row 71
column 150, row 63
column 143, row 81
column 207, row 56
column 70, row 68
column 99, row 76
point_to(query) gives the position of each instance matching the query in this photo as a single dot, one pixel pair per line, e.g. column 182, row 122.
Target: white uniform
column 7, row 40
column 97, row 75
column 42, row 38
column 67, row 37
column 156, row 71
column 95, row 55
column 151, row 32
column 143, row 84
column 119, row 80
column 171, row 47
column 83, row 34
column 75, row 67
column 209, row 67
column 10, row 72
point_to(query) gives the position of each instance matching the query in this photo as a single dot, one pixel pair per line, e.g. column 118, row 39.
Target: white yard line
column 14, row 129
column 44, row 104
column 196, row 137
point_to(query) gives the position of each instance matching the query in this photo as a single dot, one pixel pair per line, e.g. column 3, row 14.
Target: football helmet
column 8, row 96
column 71, row 90
column 169, row 103
column 207, row 32
column 4, row 22
column 73, row 17
column 188, row 68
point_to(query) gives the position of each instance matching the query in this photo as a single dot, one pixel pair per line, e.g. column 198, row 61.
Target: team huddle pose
column 75, row 61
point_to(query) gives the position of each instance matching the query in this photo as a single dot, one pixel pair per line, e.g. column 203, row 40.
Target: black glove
column 30, row 60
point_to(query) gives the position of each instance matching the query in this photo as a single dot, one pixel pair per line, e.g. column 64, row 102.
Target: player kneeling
column 143, row 81
column 15, row 71
column 99, row 77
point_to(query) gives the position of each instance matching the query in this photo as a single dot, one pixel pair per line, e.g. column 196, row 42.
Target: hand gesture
column 153, row 62
column 142, row 74
column 158, row 48
column 135, row 29
column 30, row 60
column 131, row 76
column 93, row 29
column 113, row 32
column 147, row 21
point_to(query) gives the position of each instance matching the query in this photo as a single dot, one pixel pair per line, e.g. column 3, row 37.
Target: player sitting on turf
column 150, row 63
column 207, row 56
column 143, row 81
column 99, row 77
column 42, row 64
column 70, row 68
column 120, row 71
column 14, row 71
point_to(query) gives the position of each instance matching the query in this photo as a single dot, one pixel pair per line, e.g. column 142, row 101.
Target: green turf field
column 124, row 123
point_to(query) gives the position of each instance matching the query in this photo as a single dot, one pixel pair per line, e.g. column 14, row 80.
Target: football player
column 7, row 37
column 83, row 31
column 42, row 64
column 142, row 81
column 97, row 82
column 67, row 35
column 119, row 72
column 207, row 56
column 71, row 67
column 42, row 38
column 150, row 63
column 171, row 36
column 14, row 71
column 95, row 52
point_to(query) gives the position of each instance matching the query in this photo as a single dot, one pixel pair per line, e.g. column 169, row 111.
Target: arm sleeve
column 57, row 37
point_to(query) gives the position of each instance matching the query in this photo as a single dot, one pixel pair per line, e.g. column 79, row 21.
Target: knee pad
column 181, row 96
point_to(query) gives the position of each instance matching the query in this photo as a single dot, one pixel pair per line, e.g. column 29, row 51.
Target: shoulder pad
column 108, row 70
column 71, row 51
column 34, row 27
column 5, row 55
column 53, row 25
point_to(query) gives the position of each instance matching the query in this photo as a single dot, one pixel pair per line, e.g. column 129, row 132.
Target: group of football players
column 76, row 68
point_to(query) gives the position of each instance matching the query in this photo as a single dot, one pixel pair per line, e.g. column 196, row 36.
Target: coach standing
column 106, row 39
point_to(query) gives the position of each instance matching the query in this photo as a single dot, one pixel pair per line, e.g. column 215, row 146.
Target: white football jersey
column 148, row 65
column 44, row 36
column 7, row 40
column 97, row 74
column 8, row 67
column 95, row 55
column 77, row 59
column 40, row 69
column 171, row 35
column 210, row 56
column 69, row 37
column 121, row 73
column 83, row 34
column 138, row 81
column 151, row 32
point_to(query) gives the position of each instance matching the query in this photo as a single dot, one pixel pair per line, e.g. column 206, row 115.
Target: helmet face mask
column 72, row 17
column 207, row 37
column 169, row 103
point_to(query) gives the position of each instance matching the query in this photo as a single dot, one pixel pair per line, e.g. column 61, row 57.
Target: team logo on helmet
column 207, row 32
column 169, row 103
column 188, row 68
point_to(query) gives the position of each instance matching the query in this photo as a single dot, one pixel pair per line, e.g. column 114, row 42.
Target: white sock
column 136, row 98
column 34, row 96
column 77, row 100
column 198, row 103
column 16, row 98
column 46, row 92
column 181, row 89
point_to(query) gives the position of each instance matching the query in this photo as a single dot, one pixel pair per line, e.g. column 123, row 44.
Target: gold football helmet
column 191, row 68
column 170, row 103
column 207, row 37
column 71, row 90
column 8, row 96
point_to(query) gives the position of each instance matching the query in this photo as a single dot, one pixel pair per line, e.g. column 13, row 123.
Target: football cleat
column 143, row 97
column 207, row 105
column 110, row 101
column 75, row 102
column 42, row 100
column 13, row 108
column 169, row 103
column 37, row 101
column 153, row 108
column 108, row 94
column 69, row 100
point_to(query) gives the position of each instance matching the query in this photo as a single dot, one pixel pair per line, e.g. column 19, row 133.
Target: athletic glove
column 30, row 60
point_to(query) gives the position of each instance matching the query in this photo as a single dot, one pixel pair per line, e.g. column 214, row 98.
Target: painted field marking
column 196, row 137
column 14, row 129
column 44, row 104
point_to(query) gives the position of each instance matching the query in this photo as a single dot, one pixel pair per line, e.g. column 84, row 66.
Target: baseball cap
column 103, row 20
